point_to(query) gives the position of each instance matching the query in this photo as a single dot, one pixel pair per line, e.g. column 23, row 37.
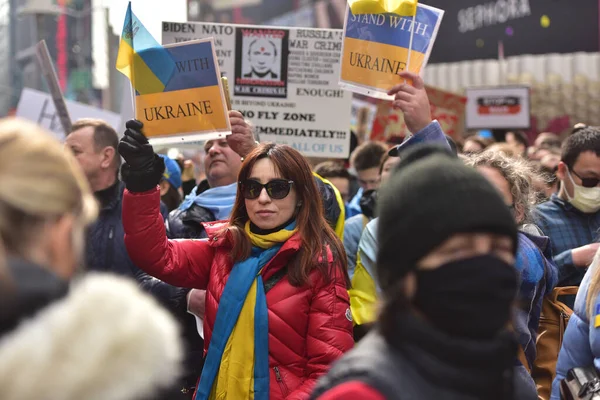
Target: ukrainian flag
column 405, row 8
column 142, row 59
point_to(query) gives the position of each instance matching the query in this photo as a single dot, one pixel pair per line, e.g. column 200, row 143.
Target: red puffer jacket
column 309, row 326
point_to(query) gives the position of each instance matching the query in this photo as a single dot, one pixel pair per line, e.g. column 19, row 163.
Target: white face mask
column 584, row 199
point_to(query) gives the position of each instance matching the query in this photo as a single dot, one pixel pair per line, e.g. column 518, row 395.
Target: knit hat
column 172, row 171
column 431, row 196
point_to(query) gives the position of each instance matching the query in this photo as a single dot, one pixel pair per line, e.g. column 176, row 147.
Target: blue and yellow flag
column 597, row 317
column 142, row 59
column 403, row 8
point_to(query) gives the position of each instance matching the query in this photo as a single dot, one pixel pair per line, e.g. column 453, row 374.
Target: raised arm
column 184, row 263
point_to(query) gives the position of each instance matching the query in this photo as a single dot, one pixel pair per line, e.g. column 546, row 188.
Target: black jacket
column 187, row 224
column 29, row 289
column 106, row 252
column 428, row 365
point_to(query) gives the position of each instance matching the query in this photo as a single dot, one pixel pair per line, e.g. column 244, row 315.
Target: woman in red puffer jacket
column 277, row 308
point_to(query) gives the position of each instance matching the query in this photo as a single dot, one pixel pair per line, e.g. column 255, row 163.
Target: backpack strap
column 274, row 279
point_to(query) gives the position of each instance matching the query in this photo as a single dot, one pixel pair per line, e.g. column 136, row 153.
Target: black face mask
column 469, row 298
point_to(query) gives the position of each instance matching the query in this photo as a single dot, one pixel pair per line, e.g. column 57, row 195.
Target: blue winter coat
column 538, row 277
column 581, row 342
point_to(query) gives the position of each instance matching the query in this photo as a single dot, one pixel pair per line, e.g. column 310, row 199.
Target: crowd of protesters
column 425, row 270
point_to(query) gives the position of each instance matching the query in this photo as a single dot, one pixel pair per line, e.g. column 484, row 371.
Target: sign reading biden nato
column 192, row 105
column 377, row 47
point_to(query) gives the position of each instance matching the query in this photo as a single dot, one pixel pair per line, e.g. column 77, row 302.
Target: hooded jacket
column 105, row 339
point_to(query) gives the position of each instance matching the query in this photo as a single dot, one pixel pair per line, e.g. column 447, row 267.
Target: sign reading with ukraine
column 376, row 47
column 178, row 90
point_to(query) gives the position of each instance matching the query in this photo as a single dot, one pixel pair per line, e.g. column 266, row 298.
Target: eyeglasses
column 277, row 189
column 587, row 182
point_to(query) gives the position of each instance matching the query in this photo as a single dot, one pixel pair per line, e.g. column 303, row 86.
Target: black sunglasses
column 587, row 182
column 277, row 189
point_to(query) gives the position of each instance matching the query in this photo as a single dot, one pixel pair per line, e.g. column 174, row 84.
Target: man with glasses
column 571, row 218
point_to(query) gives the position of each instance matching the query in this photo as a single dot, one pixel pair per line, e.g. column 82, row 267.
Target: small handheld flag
column 142, row 59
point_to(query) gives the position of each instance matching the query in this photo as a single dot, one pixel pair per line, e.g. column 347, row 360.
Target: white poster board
column 285, row 80
column 506, row 107
column 38, row 107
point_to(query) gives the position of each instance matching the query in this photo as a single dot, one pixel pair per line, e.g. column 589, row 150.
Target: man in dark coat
column 94, row 144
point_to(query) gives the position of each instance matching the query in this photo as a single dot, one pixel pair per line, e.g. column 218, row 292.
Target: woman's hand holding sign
column 143, row 169
column 412, row 100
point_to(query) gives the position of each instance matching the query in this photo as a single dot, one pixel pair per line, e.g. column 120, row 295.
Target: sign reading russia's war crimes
column 376, row 47
column 285, row 80
column 192, row 105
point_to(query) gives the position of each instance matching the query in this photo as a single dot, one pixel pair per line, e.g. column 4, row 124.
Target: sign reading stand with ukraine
column 178, row 91
column 376, row 47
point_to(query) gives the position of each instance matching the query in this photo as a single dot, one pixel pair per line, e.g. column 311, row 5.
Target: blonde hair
column 40, row 181
column 594, row 286
column 519, row 174
column 505, row 149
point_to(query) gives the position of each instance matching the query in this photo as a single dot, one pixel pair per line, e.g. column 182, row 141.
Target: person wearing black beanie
column 445, row 266
column 434, row 196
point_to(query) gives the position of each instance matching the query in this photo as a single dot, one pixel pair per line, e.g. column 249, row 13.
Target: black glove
column 143, row 169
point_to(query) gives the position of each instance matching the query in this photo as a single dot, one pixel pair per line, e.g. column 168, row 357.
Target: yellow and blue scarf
column 237, row 362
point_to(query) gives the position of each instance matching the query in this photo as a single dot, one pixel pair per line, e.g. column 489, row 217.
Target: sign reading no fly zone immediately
column 285, row 80
column 192, row 105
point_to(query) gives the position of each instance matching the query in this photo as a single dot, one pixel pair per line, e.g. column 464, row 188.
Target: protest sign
column 446, row 107
column 192, row 105
column 47, row 67
column 284, row 80
column 38, row 107
column 364, row 110
column 504, row 107
column 376, row 47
